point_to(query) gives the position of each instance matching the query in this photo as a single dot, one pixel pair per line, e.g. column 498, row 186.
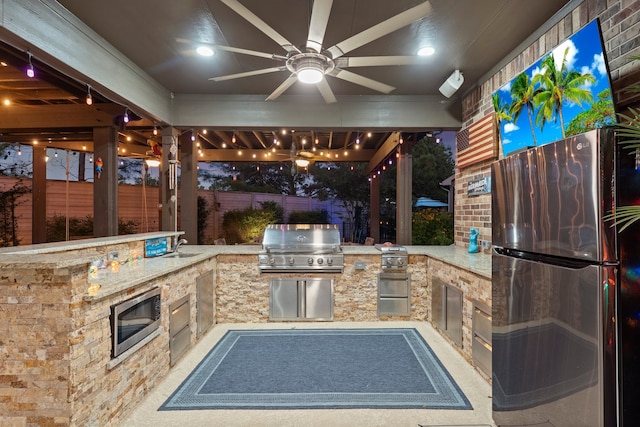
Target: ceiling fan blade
column 361, row 80
column 283, row 87
column 382, row 29
column 376, row 61
column 248, row 74
column 318, row 24
column 236, row 50
column 326, row 92
column 261, row 25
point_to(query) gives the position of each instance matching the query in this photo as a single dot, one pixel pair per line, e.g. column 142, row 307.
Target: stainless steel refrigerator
column 565, row 286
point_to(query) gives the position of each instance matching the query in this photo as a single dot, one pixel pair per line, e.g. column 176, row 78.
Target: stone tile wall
column 242, row 293
column 55, row 348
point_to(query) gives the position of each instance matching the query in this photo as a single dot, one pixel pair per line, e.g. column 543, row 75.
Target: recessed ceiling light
column 204, row 51
column 426, row 51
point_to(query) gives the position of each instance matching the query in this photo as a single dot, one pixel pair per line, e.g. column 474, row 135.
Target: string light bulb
column 19, row 150
column 125, row 118
column 89, row 98
column 31, row 72
column 233, row 138
column 155, row 131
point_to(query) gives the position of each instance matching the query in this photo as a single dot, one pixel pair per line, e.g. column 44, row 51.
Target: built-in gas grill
column 394, row 258
column 301, row 248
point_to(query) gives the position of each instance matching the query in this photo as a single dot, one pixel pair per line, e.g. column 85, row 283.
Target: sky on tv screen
column 565, row 93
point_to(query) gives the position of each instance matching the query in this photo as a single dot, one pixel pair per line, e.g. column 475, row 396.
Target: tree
column 523, row 92
column 264, row 177
column 432, row 164
column 9, row 200
column 347, row 183
column 599, row 115
column 557, row 85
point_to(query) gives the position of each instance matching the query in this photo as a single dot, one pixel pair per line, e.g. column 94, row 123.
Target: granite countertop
column 141, row 271
column 58, row 247
column 478, row 263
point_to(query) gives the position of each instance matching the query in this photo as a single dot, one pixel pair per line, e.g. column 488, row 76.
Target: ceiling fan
column 313, row 63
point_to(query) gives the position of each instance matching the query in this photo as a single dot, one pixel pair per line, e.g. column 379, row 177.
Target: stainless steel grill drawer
column 394, row 296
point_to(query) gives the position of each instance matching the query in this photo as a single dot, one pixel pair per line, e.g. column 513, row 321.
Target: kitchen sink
column 179, row 255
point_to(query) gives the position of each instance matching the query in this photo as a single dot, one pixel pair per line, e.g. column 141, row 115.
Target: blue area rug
column 319, row 369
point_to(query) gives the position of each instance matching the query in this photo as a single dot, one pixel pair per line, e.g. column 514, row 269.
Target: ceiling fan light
column 302, row 163
column 309, row 75
column 204, row 51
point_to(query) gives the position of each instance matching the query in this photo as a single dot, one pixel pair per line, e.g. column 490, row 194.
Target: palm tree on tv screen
column 557, row 86
column 523, row 92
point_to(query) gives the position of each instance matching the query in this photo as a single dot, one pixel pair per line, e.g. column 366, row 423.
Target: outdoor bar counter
column 55, row 311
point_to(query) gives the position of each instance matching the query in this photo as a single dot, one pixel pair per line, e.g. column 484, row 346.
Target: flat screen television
column 565, row 93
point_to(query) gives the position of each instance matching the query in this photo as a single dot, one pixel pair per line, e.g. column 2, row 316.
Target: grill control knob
column 272, row 261
column 290, row 261
column 310, row 261
column 329, row 261
column 400, row 261
column 320, row 261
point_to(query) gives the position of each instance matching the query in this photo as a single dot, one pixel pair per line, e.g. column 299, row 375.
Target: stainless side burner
column 394, row 258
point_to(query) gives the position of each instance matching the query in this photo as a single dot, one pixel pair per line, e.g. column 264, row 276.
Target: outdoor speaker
column 452, row 84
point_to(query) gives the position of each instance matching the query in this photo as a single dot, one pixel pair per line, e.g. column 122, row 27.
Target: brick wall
column 620, row 26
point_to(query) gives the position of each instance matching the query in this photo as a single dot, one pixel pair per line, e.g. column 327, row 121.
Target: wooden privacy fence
column 141, row 205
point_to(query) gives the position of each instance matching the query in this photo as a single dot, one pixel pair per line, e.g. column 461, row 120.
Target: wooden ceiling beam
column 55, row 116
column 262, row 156
column 387, row 148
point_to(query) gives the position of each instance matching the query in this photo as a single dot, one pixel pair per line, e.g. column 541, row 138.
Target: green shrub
column 309, row 217
column 432, row 227
column 277, row 209
column 246, row 225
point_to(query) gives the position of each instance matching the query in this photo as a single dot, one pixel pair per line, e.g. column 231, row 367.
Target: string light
column 233, row 138
column 125, row 118
column 31, row 73
column 155, row 130
column 55, row 154
column 89, row 99
column 19, row 150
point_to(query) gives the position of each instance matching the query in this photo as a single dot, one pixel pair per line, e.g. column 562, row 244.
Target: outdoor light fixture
column 309, row 67
column 452, row 84
column 152, row 163
column 310, row 75
column 302, row 163
column 426, row 51
column 31, row 73
column 89, row 99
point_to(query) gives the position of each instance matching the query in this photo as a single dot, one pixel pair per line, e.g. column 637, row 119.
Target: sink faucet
column 178, row 244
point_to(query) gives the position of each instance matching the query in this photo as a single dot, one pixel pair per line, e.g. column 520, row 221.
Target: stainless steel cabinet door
column 284, row 299
column 318, row 299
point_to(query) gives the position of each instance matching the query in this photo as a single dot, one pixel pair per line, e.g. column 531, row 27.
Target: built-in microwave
column 134, row 319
